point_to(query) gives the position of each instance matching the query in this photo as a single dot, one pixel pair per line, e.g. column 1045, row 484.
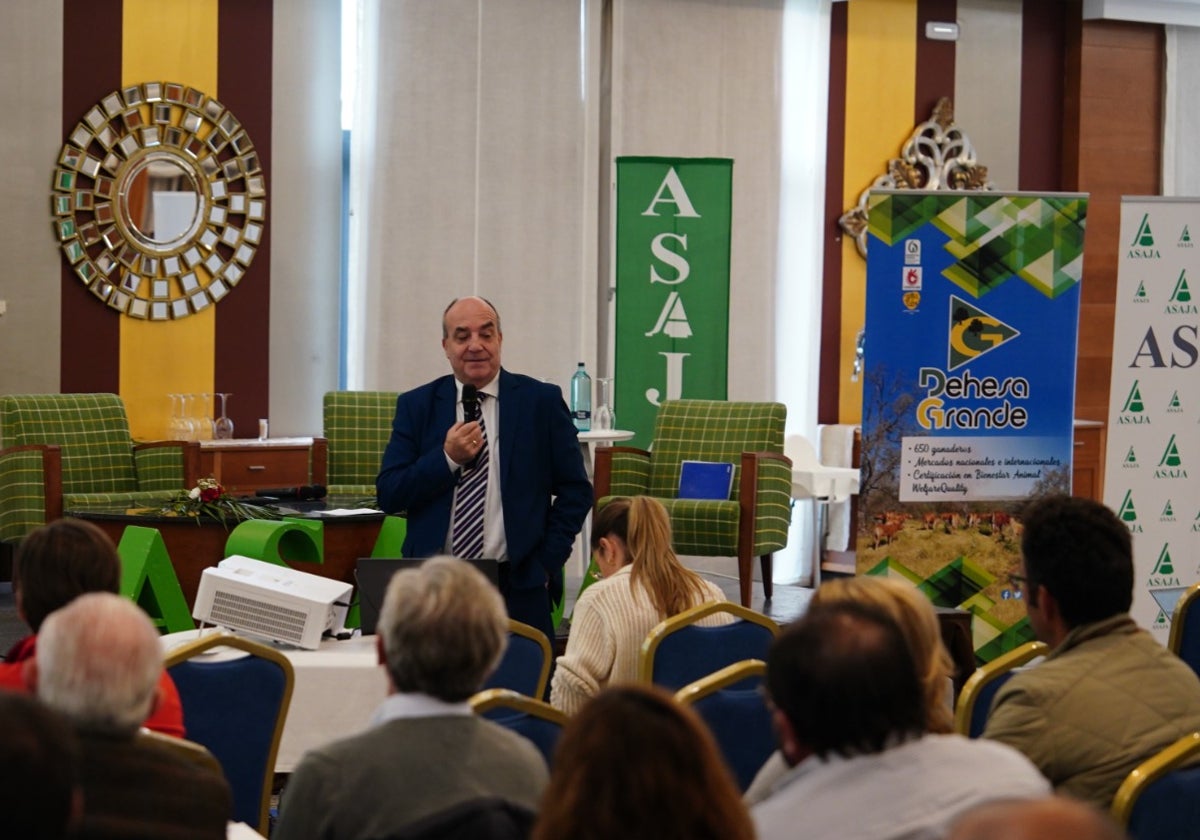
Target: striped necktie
column 466, row 536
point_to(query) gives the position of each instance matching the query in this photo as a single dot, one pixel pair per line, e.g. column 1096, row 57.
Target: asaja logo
column 1185, row 239
column 1174, row 406
column 1134, row 410
column 1164, row 569
column 1168, row 513
column 1130, row 461
column 973, row 332
column 1171, row 464
column 1142, row 246
column 1180, row 302
column 1128, row 514
column 1140, row 295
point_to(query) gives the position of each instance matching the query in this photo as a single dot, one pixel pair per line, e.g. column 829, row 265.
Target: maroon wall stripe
column 91, row 332
column 935, row 59
column 829, row 373
column 1043, row 65
column 244, row 63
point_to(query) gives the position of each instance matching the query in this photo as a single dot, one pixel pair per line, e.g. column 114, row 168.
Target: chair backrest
column 91, row 429
column 1160, row 798
column 679, row 650
column 357, row 426
column 975, row 700
column 537, row 720
column 710, row 430
column 1184, row 640
column 197, row 754
column 236, row 708
column 733, row 706
column 525, row 666
column 485, row 818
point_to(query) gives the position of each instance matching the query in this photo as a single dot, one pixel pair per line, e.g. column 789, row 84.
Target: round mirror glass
column 160, row 202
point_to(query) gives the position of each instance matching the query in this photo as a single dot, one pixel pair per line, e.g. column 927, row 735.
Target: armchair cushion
column 357, row 427
column 70, row 451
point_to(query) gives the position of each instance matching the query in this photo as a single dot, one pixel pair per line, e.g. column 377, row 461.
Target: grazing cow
column 885, row 532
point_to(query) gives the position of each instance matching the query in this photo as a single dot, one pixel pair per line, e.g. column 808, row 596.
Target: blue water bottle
column 581, row 399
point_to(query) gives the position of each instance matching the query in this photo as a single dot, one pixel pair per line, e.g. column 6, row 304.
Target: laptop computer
column 372, row 575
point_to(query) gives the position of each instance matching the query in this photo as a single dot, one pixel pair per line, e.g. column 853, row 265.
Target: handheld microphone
column 470, row 401
column 303, row 493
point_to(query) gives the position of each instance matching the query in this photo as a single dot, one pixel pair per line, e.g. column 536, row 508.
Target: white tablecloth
column 337, row 688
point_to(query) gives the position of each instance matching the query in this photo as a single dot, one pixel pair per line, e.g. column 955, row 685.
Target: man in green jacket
column 1108, row 696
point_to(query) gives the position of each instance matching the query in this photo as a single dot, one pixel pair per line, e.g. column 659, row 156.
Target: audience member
column 1052, row 818
column 914, row 612
column 643, row 583
column 53, row 565
column 40, row 798
column 98, row 662
column 500, row 477
column 441, row 631
column 851, row 717
column 634, row 764
column 1108, row 696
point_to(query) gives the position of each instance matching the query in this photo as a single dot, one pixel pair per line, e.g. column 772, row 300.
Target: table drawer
column 254, row 468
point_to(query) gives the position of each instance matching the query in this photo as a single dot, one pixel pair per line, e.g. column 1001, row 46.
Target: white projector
column 275, row 602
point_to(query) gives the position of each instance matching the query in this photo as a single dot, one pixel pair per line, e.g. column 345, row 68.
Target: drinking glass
column 604, row 417
column 223, row 427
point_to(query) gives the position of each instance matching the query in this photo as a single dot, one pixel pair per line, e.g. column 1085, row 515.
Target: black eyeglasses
column 1019, row 582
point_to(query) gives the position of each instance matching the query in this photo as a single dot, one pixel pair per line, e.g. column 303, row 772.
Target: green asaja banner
column 672, row 275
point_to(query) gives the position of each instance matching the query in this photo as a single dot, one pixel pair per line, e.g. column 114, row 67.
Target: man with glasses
column 1108, row 696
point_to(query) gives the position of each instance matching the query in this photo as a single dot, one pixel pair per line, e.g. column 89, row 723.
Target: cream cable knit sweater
column 612, row 618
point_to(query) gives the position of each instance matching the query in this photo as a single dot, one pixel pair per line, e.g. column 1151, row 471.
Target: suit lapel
column 512, row 412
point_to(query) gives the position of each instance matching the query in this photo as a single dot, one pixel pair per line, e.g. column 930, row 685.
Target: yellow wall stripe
column 881, row 71
column 176, row 41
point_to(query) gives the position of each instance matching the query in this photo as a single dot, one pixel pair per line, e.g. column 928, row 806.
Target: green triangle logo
column 1174, row 403
column 1162, row 618
column 1167, row 511
column 1143, row 238
column 1170, row 457
column 1130, row 458
column 1141, row 290
column 1185, row 236
column 1163, row 566
column 1181, row 293
column 1133, row 402
column 1127, row 512
column 973, row 332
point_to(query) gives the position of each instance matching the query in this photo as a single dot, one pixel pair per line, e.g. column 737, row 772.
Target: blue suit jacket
column 545, row 492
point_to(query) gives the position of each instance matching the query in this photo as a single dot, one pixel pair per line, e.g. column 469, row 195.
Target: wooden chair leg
column 768, row 584
column 745, row 575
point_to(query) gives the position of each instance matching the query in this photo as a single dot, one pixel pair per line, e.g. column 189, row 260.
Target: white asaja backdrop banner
column 1152, row 468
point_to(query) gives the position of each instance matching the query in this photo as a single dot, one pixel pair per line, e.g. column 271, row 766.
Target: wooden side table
column 246, row 465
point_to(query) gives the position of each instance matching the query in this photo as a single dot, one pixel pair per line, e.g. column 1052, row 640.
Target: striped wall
column 274, row 339
column 886, row 77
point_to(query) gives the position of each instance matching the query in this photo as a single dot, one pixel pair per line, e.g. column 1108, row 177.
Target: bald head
column 1051, row 818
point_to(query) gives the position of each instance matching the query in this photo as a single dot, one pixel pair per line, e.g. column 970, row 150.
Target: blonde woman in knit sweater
column 642, row 583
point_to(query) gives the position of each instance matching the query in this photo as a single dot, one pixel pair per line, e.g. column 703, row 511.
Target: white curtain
column 1181, row 123
column 481, row 164
column 471, row 174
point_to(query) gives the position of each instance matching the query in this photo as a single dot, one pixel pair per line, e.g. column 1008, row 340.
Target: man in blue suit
column 535, row 490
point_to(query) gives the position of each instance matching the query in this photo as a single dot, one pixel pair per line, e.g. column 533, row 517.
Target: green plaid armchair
column 754, row 521
column 358, row 425
column 73, row 451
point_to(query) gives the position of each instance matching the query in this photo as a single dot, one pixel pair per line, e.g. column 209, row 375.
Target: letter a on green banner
column 672, row 272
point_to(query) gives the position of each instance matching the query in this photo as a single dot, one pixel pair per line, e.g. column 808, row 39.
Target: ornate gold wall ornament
column 937, row 156
column 159, row 200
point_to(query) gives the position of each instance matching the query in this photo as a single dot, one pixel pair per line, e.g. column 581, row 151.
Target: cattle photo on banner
column 968, row 393
column 1152, row 467
column 672, row 275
